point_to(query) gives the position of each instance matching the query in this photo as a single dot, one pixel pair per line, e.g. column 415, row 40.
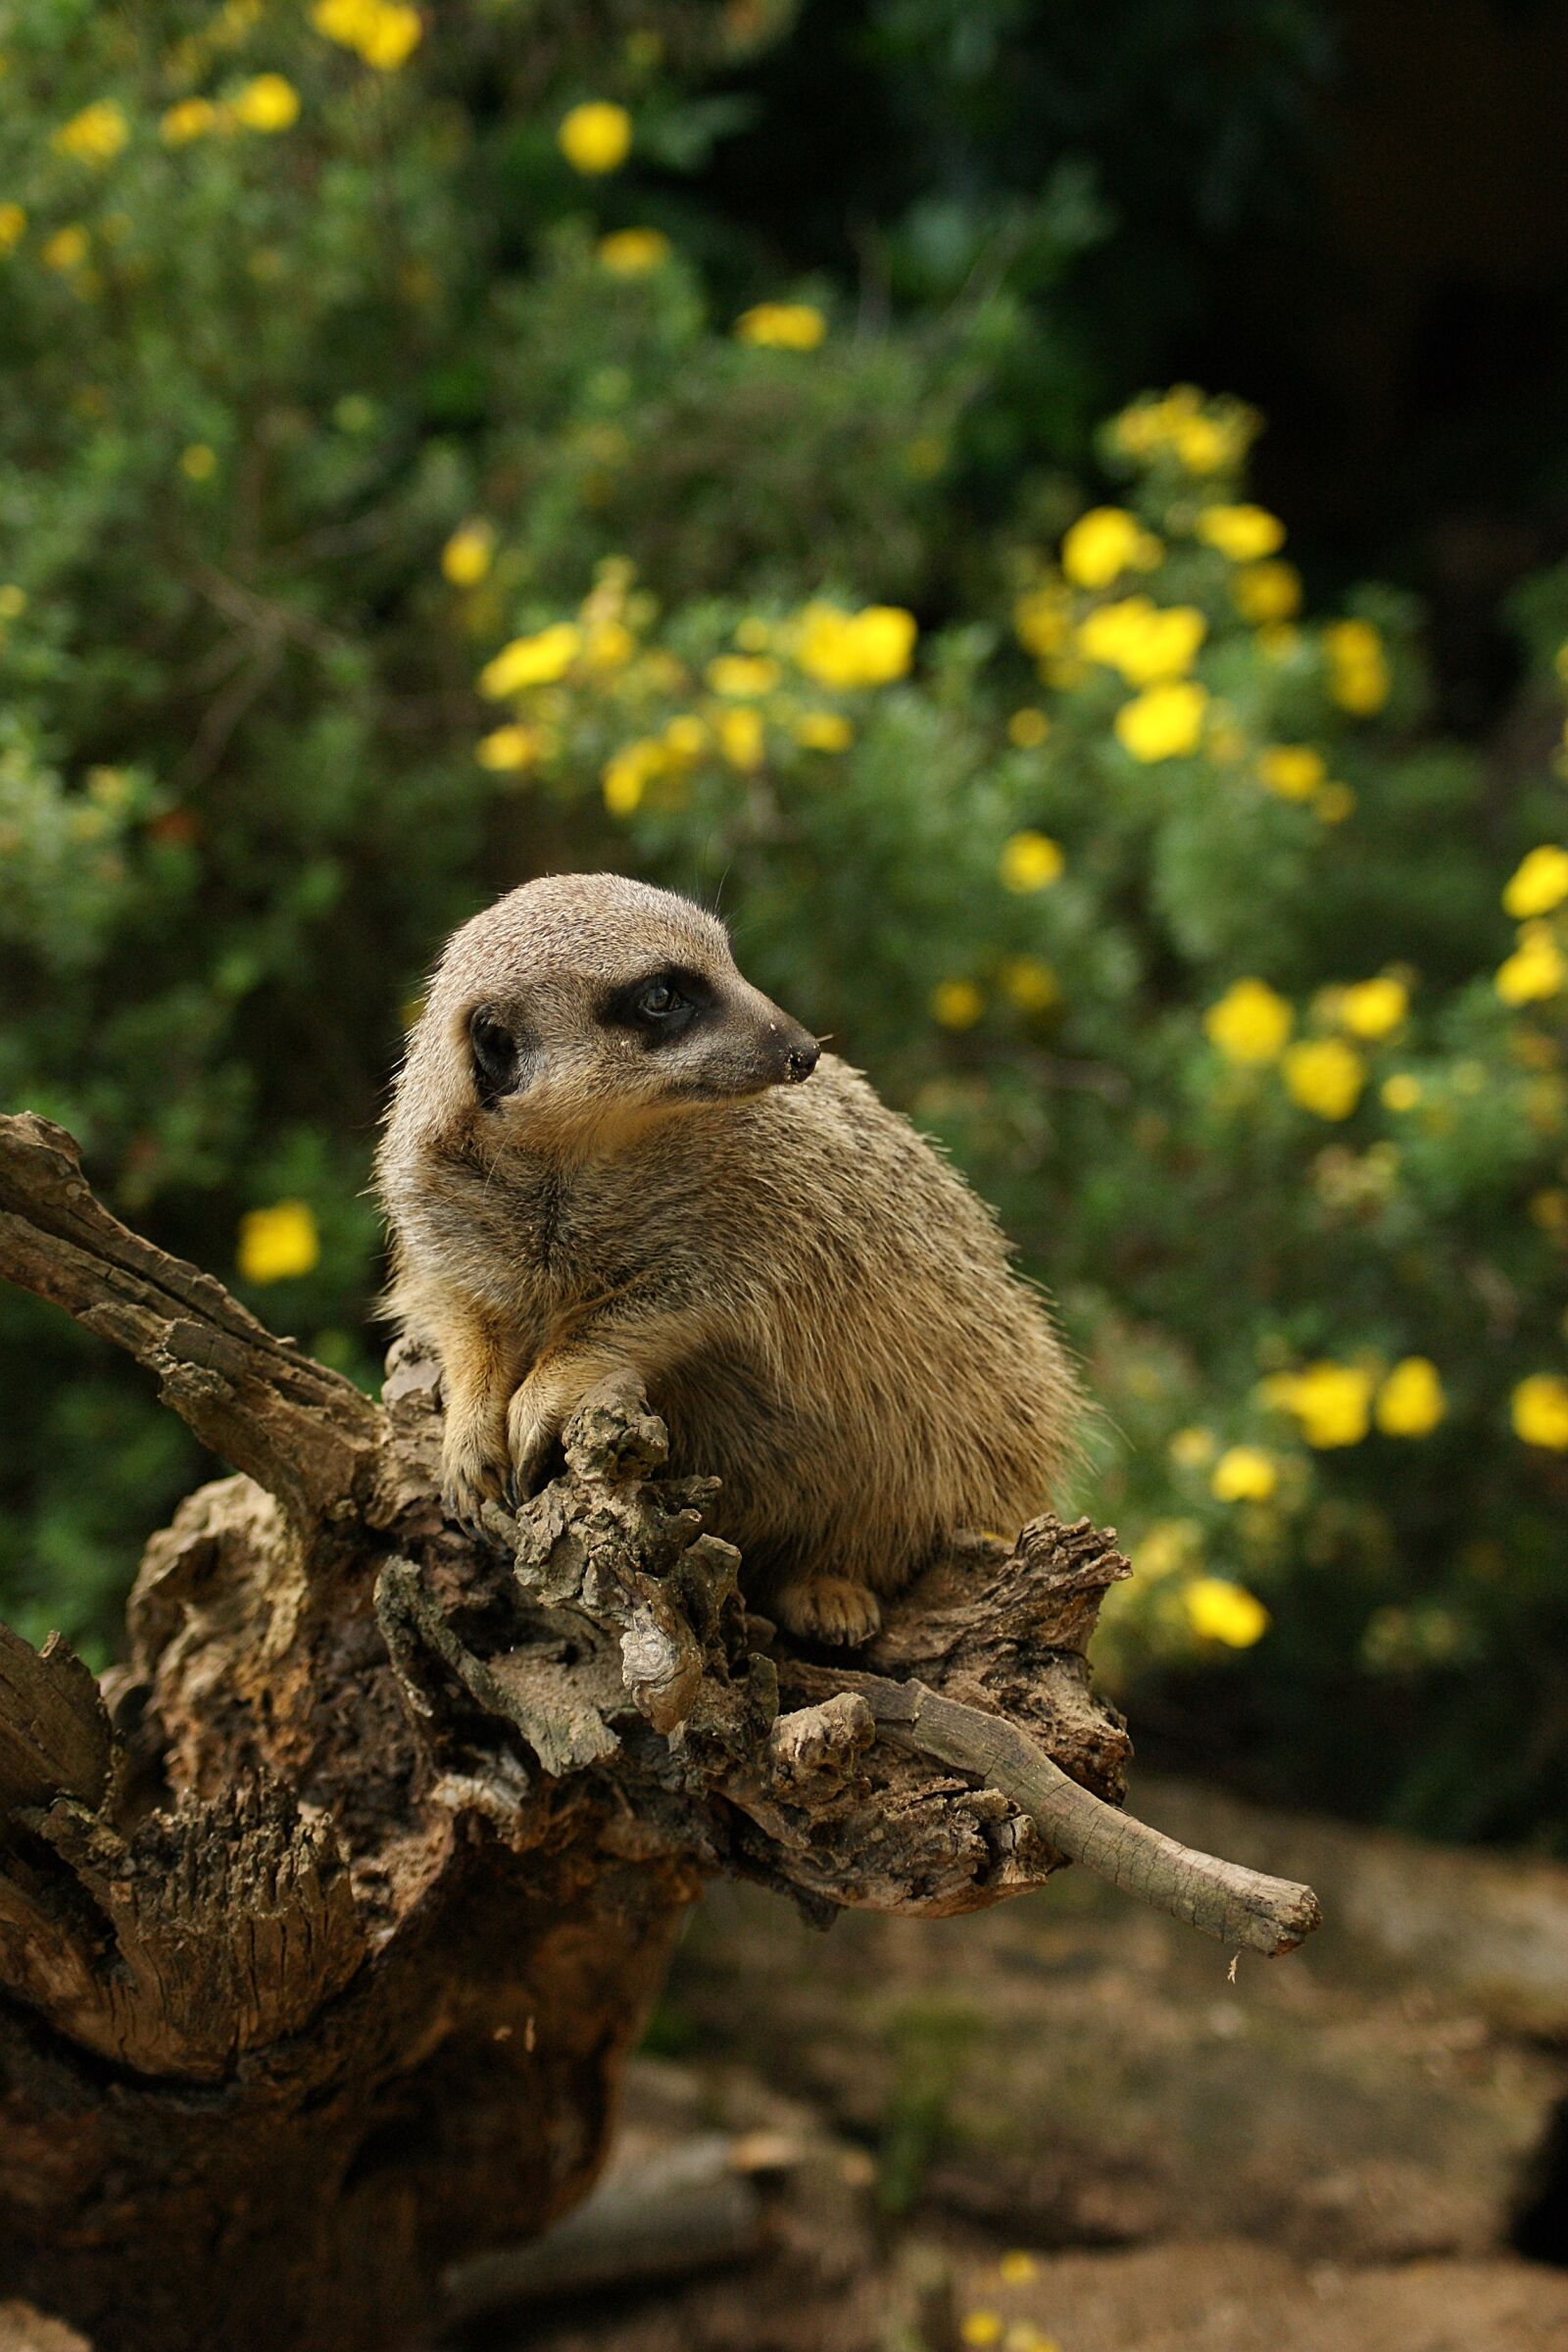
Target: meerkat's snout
column 793, row 1051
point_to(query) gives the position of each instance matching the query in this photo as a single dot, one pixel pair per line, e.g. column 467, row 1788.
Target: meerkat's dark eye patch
column 496, row 1057
column 661, row 1006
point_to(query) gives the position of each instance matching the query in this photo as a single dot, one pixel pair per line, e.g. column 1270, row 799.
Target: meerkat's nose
column 802, row 1059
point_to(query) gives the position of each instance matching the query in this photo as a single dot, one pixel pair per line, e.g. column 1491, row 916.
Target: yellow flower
column 595, row 138
column 1374, row 1007
column 507, row 748
column 537, row 661
column 1167, row 1548
column 743, row 675
column 869, row 648
column 1266, row 592
column 1163, row 722
column 1219, row 1611
column 1358, row 667
column 740, row 737
column 782, row 326
column 198, row 462
column 1029, row 983
column 1204, row 444
column 66, row 248
column 1402, row 1092
column 94, row 136
column 1028, row 728
column 191, row 119
column 981, row 2330
column 633, row 251
column 467, row 556
column 388, row 35
column 1334, row 802
column 13, row 226
column 278, row 1241
column 1103, row 544
column 1249, row 1024
column 1550, row 1210
column 266, row 103
column 1294, row 770
column 1535, row 969
column 1192, row 1448
column 626, row 775
column 1041, row 618
column 1244, row 534
column 1331, row 1401
column 384, row 32
column 1030, row 861
column 823, row 731
column 608, row 645
column 1539, row 884
column 1140, row 640
column 1018, row 2269
column 1410, row 1402
column 1541, row 1412
column 956, row 1004
column 1244, row 1474
column 685, row 737
column 1325, row 1076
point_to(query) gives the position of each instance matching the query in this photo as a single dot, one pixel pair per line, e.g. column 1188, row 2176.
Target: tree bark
column 326, row 1927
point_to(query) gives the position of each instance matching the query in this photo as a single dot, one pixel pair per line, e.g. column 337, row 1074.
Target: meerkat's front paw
column 548, row 1399
column 467, row 1485
column 473, row 1469
column 828, row 1608
column 535, row 1418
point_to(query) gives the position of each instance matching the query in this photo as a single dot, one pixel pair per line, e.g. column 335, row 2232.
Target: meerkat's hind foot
column 827, row 1608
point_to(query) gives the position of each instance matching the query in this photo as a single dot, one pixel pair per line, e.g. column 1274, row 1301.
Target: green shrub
column 403, row 491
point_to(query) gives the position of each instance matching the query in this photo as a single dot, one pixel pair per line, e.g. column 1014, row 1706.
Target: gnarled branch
column 365, row 1879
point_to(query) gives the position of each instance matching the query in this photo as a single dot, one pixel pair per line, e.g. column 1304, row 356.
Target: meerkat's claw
column 828, row 1608
column 468, row 1481
column 531, row 1436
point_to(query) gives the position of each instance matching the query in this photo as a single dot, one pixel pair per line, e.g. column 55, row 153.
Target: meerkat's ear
column 496, row 1056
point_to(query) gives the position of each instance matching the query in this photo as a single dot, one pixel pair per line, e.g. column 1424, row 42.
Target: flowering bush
column 1213, row 1000
column 406, row 488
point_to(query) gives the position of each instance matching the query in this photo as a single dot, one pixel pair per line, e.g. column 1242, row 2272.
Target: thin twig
column 1234, row 1905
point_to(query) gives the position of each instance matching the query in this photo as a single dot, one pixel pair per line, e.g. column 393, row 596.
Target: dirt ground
column 1060, row 2127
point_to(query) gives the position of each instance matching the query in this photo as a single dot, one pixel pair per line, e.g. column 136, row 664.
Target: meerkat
column 613, row 1167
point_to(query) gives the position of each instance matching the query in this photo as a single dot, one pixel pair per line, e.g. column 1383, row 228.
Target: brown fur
column 813, row 1300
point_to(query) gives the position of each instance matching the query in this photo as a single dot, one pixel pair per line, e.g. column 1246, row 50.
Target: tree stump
column 327, row 1925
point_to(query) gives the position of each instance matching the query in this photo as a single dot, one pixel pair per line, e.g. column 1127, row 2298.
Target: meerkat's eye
column 495, row 1057
column 661, row 1004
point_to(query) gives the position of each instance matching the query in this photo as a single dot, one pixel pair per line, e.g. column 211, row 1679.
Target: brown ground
column 1061, row 2124
column 1060, row 2127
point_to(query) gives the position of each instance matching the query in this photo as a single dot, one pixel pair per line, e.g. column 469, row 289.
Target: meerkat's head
column 585, row 1009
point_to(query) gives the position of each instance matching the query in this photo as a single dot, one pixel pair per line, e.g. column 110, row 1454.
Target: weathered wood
column 686, row 2211
column 322, row 1949
column 1239, row 1907
column 304, row 1432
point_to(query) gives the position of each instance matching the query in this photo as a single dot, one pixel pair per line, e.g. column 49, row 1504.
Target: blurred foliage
column 425, row 465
